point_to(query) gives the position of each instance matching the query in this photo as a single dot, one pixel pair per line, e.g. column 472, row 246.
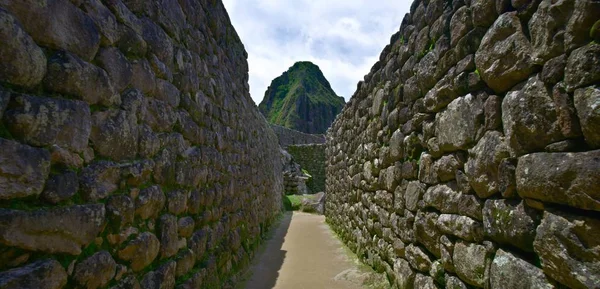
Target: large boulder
column 562, row 178
column 509, row 222
column 22, row 62
column 530, row 119
column 42, row 274
column 459, row 124
column 63, row 230
column 470, row 261
column 504, row 57
column 57, row 24
column 23, row 169
column 510, row 272
column 44, row 121
column 547, row 29
column 95, row 271
column 587, row 103
column 569, row 249
column 141, row 251
column 483, row 163
column 314, row 203
column 581, row 67
column 114, row 134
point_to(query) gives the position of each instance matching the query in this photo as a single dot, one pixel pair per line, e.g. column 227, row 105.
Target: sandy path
column 304, row 254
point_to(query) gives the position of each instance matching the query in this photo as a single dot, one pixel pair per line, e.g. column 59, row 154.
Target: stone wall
column 311, row 157
column 131, row 153
column 469, row 156
column 289, row 137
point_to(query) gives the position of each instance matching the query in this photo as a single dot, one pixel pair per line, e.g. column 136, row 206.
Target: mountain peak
column 302, row 99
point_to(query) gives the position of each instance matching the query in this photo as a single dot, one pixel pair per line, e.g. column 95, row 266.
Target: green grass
column 293, row 202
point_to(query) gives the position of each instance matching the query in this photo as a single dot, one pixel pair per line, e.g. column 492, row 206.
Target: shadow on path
column 268, row 263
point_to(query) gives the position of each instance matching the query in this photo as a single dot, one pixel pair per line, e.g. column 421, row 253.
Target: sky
column 343, row 37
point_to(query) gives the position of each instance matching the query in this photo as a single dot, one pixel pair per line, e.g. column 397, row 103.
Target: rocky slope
column 131, row 153
column 469, row 156
column 301, row 99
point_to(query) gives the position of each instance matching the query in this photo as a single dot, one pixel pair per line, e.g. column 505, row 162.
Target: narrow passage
column 304, row 254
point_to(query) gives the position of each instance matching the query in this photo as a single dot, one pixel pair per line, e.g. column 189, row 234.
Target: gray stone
column 57, row 24
column 470, row 261
column 167, row 231
column 167, row 92
column 177, row 202
column 530, row 119
column 554, row 70
column 22, row 62
column 197, row 243
column 581, row 67
column 149, row 202
column 117, row 67
column 504, row 57
column 42, row 274
column 95, row 271
column 458, row 125
column 510, row 223
column 159, row 115
column 417, row 258
column 23, row 169
column 69, row 75
column 141, row 251
column 507, row 183
column 460, row 24
column 510, row 272
column 114, row 134
column 453, row 282
column 129, row 282
column 413, row 195
column 64, row 230
column 405, row 276
column 587, row 103
column 547, row 29
column 185, row 262
column 105, row 21
column 482, row 166
column 424, row 282
column 60, row 187
column 447, row 200
column 143, row 77
column 460, row 226
column 484, row 12
column 185, row 227
column 42, row 121
column 98, row 180
column 426, row 232
column 580, row 28
column 565, row 112
column 447, row 250
column 120, row 211
column 563, row 178
column 569, row 249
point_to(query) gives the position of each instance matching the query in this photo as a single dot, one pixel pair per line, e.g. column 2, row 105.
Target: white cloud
column 343, row 37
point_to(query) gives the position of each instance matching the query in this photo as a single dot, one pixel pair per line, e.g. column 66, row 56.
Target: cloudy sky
column 343, row 37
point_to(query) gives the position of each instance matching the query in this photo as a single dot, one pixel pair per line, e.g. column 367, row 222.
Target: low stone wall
column 289, row 137
column 311, row 157
column 469, row 157
column 131, row 153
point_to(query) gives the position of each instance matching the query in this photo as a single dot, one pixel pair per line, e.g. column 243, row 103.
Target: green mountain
column 302, row 99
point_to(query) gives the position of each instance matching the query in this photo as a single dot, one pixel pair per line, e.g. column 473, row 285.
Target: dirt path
column 304, row 254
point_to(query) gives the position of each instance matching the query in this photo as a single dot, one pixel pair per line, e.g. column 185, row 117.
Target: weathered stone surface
column 458, row 125
column 23, row 169
column 470, row 261
column 484, row 12
column 22, row 62
column 454, row 283
column 114, row 134
column 185, row 262
column 106, row 22
column 120, row 211
column 508, row 222
column 580, row 27
column 482, row 167
column 185, row 227
column 42, row 274
column 60, row 187
column 508, row 271
column 413, row 195
column 64, row 230
column 417, row 258
column 460, row 226
column 425, row 282
column 98, row 180
column 42, row 121
column 117, row 67
column 129, row 282
column 163, row 277
column 565, row 112
column 57, row 24
column 568, row 247
column 177, row 202
column 564, row 178
column 529, row 117
column 405, row 276
column 587, row 103
column 547, row 29
column 504, row 57
column 141, row 251
column 554, row 70
column 581, row 67
column 426, row 232
column 167, row 228
column 446, row 199
column 69, row 75
column 95, row 271
column 150, row 202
